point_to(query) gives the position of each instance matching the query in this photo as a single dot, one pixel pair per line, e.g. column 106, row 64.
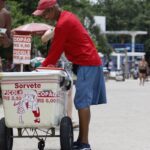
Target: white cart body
column 33, row 99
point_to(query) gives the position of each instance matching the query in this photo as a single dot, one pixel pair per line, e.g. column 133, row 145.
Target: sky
column 93, row 1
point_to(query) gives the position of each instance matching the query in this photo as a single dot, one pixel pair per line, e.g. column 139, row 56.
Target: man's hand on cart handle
column 49, row 66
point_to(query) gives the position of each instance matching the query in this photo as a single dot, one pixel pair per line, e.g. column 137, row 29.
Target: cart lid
column 4, row 75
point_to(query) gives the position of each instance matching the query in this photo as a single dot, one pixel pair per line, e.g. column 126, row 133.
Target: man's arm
column 7, row 36
column 57, row 46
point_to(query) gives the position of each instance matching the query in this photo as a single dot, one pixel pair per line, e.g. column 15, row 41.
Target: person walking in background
column 5, row 38
column 143, row 69
column 72, row 38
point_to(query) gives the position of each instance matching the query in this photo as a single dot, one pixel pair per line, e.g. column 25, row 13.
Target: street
column 121, row 124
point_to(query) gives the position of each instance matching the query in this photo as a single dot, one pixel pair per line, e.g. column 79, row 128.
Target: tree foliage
column 126, row 15
column 22, row 9
column 120, row 15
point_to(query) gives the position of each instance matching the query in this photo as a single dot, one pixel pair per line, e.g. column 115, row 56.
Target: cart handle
column 50, row 68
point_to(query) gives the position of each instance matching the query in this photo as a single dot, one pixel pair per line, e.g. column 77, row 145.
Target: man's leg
column 140, row 77
column 84, row 120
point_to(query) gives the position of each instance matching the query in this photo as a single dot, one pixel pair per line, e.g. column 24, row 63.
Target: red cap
column 42, row 5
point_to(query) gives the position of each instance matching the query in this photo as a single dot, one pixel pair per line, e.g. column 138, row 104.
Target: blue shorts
column 90, row 87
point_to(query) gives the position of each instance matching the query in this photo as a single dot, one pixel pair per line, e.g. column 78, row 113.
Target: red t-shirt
column 71, row 38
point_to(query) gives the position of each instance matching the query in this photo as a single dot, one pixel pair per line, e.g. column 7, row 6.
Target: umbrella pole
column 34, row 48
column 21, row 67
column 34, row 51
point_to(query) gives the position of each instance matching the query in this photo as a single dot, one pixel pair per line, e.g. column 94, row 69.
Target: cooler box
column 33, row 99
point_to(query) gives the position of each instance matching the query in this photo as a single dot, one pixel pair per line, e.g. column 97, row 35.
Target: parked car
column 120, row 75
column 106, row 73
column 135, row 74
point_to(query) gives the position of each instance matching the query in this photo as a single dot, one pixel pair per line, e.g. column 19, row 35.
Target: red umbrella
column 32, row 28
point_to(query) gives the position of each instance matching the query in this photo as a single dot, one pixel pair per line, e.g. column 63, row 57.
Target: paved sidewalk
column 122, row 124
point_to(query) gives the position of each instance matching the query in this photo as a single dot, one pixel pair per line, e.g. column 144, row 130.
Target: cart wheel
column 66, row 134
column 6, row 136
column 68, row 85
column 41, row 145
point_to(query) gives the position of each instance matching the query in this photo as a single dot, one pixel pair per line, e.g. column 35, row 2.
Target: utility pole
column 126, row 64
